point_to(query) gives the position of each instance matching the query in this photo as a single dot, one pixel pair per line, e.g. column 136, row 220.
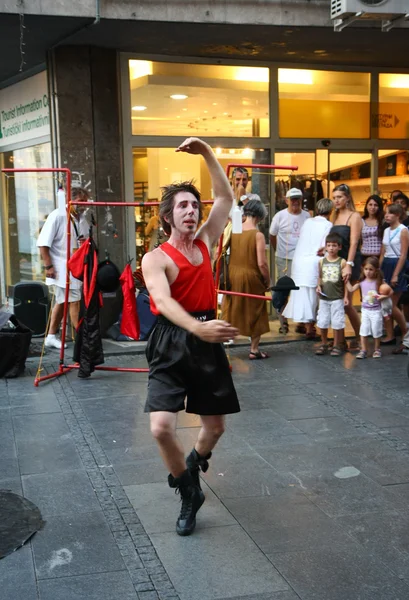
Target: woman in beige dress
column 248, row 272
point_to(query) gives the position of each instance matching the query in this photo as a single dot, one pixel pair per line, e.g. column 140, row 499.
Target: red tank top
column 194, row 287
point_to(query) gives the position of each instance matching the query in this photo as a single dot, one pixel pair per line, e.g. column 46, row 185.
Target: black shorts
column 183, row 366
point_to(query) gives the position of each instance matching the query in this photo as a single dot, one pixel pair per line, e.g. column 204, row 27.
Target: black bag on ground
column 15, row 339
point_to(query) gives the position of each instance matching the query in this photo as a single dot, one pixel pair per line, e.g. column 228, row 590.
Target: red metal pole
column 67, row 273
column 220, row 246
column 123, row 369
column 68, row 184
column 58, row 373
column 244, row 295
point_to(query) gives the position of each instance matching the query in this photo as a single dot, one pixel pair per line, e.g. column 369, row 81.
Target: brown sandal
column 400, row 350
column 258, row 355
column 336, row 351
column 321, row 350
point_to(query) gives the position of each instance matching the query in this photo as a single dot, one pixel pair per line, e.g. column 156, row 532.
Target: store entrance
column 319, row 171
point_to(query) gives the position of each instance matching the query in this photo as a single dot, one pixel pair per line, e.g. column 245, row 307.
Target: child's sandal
column 361, row 354
column 377, row 354
column 321, row 350
column 336, row 351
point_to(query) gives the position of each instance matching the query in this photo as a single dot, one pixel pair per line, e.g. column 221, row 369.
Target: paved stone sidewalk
column 306, row 496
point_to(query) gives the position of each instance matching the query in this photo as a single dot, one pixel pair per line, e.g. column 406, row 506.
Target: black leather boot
column 192, row 499
column 195, row 463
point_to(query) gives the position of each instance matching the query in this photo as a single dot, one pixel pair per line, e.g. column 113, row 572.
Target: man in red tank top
column 186, row 356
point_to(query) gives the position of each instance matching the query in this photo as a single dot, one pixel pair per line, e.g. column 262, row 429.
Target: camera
column 326, row 143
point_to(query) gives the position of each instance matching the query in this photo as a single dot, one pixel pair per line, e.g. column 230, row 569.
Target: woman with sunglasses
column 348, row 225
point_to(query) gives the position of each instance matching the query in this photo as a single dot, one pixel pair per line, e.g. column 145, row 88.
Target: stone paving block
column 62, row 493
column 260, row 422
column 98, row 387
column 329, row 429
column 284, row 523
column 401, row 491
column 383, row 465
column 5, row 413
column 133, row 448
column 100, row 586
column 46, row 456
column 383, row 535
column 312, row 458
column 7, row 444
column 274, row 596
column 120, row 434
column 13, row 484
column 115, row 408
column 340, row 497
column 304, row 374
column 143, row 471
column 17, row 579
column 300, row 407
column 148, row 596
column 158, row 508
column 339, row 575
column 239, row 476
column 50, row 426
column 8, row 464
column 216, row 555
column 28, row 404
column 400, row 432
column 75, row 545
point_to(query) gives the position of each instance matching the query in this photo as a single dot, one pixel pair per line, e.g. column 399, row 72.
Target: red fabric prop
column 130, row 322
column 78, row 265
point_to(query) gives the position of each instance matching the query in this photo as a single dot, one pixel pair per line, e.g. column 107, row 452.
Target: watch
column 351, row 263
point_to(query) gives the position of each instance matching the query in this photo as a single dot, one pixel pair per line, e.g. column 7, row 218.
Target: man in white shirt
column 52, row 243
column 284, row 234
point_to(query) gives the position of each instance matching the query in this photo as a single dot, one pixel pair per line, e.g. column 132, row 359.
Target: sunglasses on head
column 344, row 188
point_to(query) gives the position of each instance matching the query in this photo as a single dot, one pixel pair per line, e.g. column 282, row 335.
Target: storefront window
column 206, row 100
column 323, row 104
column 26, row 201
column 393, row 172
column 392, row 119
column 354, row 169
column 156, row 167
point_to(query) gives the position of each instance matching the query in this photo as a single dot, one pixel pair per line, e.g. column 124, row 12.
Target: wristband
column 48, row 267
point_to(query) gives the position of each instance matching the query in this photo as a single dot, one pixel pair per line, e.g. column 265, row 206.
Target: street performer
column 185, row 352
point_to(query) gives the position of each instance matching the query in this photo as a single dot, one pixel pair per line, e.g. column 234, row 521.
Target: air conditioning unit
column 369, row 9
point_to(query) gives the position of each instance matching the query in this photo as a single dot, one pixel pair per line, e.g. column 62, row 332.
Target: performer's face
column 185, row 212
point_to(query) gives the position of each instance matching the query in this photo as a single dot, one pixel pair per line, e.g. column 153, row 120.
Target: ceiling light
column 256, row 74
column 218, row 151
column 393, row 80
column 139, row 107
column 179, row 96
column 295, row 76
column 140, row 68
column 225, row 114
column 205, row 111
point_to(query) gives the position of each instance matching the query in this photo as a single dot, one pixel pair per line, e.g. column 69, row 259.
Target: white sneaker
column 52, row 341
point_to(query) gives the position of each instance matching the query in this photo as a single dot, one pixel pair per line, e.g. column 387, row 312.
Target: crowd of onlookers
column 336, row 260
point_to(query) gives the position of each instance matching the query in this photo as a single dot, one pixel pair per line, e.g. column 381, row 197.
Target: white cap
column 294, row 193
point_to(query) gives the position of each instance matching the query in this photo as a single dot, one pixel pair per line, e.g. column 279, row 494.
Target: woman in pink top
column 372, row 230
